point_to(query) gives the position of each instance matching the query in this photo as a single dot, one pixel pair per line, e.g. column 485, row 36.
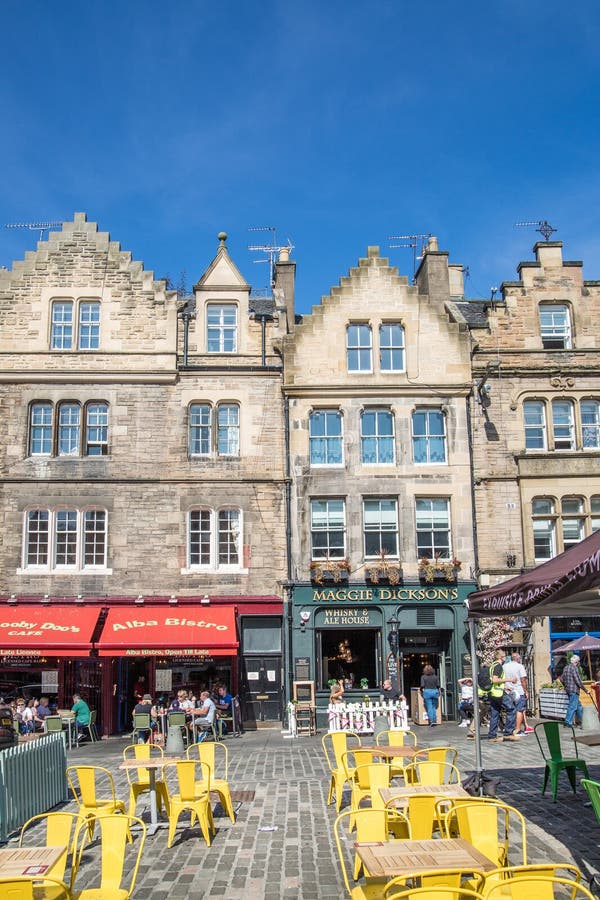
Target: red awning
column 47, row 630
column 172, row 631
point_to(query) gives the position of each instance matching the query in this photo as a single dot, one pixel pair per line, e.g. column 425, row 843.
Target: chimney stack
column 284, row 278
column 432, row 275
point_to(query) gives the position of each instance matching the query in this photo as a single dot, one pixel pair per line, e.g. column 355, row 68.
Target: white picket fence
column 360, row 717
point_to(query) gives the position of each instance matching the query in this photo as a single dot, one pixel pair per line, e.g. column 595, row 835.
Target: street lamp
column 394, row 642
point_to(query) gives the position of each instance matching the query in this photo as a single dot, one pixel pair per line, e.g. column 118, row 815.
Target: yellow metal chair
column 435, row 893
column 85, row 783
column 422, row 813
column 334, row 744
column 210, row 753
column 488, row 826
column 28, row 887
column 438, row 754
column 360, row 768
column 435, row 879
column 544, row 870
column 59, row 829
column 194, row 781
column 536, row 887
column 370, row 825
column 139, row 779
column 120, row 856
column 431, row 772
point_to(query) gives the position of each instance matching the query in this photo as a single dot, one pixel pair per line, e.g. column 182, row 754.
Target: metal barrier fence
column 32, row 780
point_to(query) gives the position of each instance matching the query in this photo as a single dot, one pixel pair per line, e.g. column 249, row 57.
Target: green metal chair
column 593, row 789
column 550, row 748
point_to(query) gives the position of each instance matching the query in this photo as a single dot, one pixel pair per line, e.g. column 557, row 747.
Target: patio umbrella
column 585, row 644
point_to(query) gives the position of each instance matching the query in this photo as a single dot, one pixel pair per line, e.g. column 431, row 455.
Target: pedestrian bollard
column 174, row 740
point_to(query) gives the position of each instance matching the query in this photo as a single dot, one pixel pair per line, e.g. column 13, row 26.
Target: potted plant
column 384, row 570
column 328, row 569
column 438, row 568
column 364, row 683
column 553, row 700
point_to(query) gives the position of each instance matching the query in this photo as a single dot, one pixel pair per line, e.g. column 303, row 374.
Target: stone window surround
column 547, row 427
column 54, row 426
column 50, row 567
column 214, row 566
column 78, row 327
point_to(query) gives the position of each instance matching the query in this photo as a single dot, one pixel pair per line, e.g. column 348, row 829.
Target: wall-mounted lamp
column 12, row 598
column 139, row 599
column 46, row 598
column 79, row 598
column 205, row 600
column 173, row 599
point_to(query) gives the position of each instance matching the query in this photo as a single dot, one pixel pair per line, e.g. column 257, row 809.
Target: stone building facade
column 535, row 423
column 377, row 380
column 142, row 465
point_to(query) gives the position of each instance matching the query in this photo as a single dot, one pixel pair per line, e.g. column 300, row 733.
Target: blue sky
column 340, row 123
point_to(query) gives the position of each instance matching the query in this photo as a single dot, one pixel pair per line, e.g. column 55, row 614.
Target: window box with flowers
column 336, row 570
column 384, row 570
column 438, row 569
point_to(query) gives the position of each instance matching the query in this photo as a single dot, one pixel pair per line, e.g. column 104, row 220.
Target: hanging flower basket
column 383, row 570
column 438, row 569
column 335, row 570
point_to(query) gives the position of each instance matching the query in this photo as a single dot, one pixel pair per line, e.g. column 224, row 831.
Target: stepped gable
column 78, row 255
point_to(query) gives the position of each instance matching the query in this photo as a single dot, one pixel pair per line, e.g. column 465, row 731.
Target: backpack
column 484, row 681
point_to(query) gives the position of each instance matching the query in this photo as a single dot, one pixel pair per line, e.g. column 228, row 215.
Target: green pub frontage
column 360, row 634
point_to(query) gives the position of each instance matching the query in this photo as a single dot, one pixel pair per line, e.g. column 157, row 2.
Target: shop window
column 555, row 326
column 328, row 529
column 326, row 438
column 221, row 328
column 429, row 436
column 377, row 437
column 359, row 348
column 348, row 655
column 58, row 431
column 534, row 414
column 70, row 538
column 380, row 520
column 391, row 347
column 215, row 538
column 433, row 527
column 223, row 421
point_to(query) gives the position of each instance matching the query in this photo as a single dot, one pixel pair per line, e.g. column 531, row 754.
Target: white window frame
column 78, row 534
column 392, row 348
column 88, row 325
column 379, row 440
column 41, row 428
column 539, row 427
column 68, row 428
column 217, row 518
column 96, row 428
column 427, row 437
column 224, row 329
column 328, row 523
column 375, row 521
column 563, row 432
column 591, row 427
column 358, row 348
column 555, row 326
column 228, row 426
column 572, row 518
column 62, row 326
column 432, row 518
column 330, row 441
column 200, row 428
column 546, row 520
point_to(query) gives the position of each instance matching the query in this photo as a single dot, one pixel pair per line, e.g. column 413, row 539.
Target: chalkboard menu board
column 302, row 668
column 304, row 692
column 391, row 665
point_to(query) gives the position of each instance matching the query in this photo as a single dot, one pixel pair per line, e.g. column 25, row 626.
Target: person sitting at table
column 184, row 701
column 24, row 716
column 224, row 704
column 337, row 692
column 205, row 715
column 82, row 716
column 40, row 712
column 147, row 707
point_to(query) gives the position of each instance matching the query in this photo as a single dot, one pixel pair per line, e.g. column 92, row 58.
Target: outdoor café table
column 28, row 860
column 391, row 858
column 152, row 764
column 393, row 752
column 68, row 722
column 440, row 790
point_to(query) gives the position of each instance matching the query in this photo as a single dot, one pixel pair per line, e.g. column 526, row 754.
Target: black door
column 261, row 689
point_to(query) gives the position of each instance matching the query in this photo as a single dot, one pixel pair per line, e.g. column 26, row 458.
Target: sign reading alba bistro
column 378, row 594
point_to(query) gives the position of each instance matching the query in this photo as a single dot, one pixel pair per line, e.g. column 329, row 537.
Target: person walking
column 572, row 684
column 430, row 691
column 501, row 702
column 514, row 669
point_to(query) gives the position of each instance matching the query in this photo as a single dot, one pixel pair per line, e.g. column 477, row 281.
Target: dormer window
column 221, row 328
column 555, row 326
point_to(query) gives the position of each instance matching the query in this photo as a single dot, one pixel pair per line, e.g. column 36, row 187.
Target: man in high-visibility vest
column 501, row 702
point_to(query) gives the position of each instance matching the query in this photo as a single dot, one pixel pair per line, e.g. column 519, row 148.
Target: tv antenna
column 272, row 250
column 544, row 228
column 416, row 241
column 33, row 226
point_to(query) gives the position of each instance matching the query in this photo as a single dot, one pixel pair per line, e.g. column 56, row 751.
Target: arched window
column 555, row 326
column 429, row 436
column 326, row 437
column 377, row 437
column 69, row 429
column 40, row 429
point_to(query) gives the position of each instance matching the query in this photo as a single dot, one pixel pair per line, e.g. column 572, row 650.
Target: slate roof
column 474, row 312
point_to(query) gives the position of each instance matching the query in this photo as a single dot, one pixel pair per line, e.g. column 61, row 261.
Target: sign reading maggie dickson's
column 363, row 594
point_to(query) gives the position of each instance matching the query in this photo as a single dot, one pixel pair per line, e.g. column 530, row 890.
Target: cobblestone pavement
column 282, row 846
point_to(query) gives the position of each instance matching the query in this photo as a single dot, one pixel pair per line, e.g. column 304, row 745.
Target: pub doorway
column 420, row 649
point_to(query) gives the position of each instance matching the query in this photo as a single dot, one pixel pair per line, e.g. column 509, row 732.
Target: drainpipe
column 289, row 589
column 263, row 332
column 186, row 327
column 472, row 624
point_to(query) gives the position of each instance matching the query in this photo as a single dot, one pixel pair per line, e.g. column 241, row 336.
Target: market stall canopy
column 47, row 630
column 172, row 631
column 566, row 585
